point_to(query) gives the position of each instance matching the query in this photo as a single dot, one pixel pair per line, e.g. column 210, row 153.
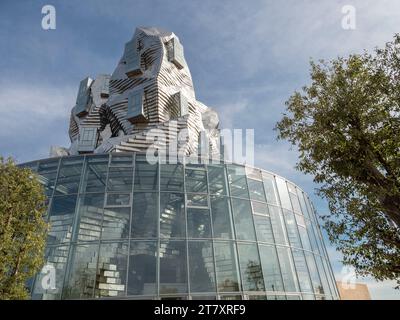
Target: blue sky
column 246, row 58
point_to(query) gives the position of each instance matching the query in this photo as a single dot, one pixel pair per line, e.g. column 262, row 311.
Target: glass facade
column 124, row 228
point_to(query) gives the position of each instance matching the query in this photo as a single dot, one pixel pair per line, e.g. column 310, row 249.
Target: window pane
column 250, row 267
column 201, row 266
column 95, row 174
column 47, row 173
column 226, row 266
column 144, row 215
column 302, row 203
column 283, row 193
column 217, row 179
column 111, row 270
column 69, row 175
column 295, row 202
column 197, row 200
column 270, row 268
column 173, row 271
column 263, row 229
column 270, row 189
column 146, row 177
column 61, row 218
column 277, row 224
column 118, row 199
column 256, row 190
column 171, row 178
column 322, row 274
column 288, row 275
column 243, row 219
column 196, row 180
column 291, row 227
column 142, row 268
column 121, row 160
column 222, row 217
column 302, row 271
column 259, row 208
column 199, row 223
column 81, row 279
column 237, row 181
column 172, row 215
column 120, row 179
column 312, row 267
column 90, row 217
column 116, row 223
column 304, row 238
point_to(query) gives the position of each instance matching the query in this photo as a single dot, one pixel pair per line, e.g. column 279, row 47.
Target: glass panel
column 116, row 223
column 288, row 275
column 291, row 227
column 95, row 174
column 237, row 181
column 69, row 175
column 250, row 267
column 201, row 266
column 257, row 297
column 146, row 175
column 118, row 199
column 222, row 217
column 259, row 208
column 263, row 229
column 226, row 266
column 312, row 267
column 121, row 160
column 308, row 296
column 277, row 224
column 230, row 297
column 90, row 217
column 243, row 219
column 144, row 215
column 217, row 179
column 256, row 190
column 172, row 215
column 322, row 274
column 47, row 173
column 61, row 219
column 204, row 297
column 302, row 203
column 199, row 223
column 292, row 297
column 270, row 268
column 57, row 258
column 276, row 297
column 171, row 178
column 283, row 193
column 142, row 268
column 111, row 270
column 120, row 179
column 270, row 189
column 81, row 278
column 173, row 271
column 302, row 271
column 311, row 235
column 196, row 180
column 304, row 238
column 253, row 173
column 197, row 200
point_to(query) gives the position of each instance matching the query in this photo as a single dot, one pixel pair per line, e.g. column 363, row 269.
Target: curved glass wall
column 124, row 228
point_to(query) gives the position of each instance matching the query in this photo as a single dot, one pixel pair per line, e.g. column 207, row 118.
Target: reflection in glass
column 302, row 271
column 118, row 199
column 69, row 175
column 243, row 219
column 270, row 189
column 196, row 180
column 173, row 270
column 120, row 179
column 172, row 215
column 226, row 266
column 197, row 200
column 144, row 215
column 116, row 223
column 222, row 217
column 61, row 219
column 47, row 172
column 81, row 278
column 259, row 207
column 90, row 216
column 201, row 266
column 95, row 174
column 142, row 268
column 288, row 275
column 111, row 270
column 270, row 268
column 146, row 175
column 121, row 160
column 291, row 227
column 198, row 223
column 256, row 190
column 217, row 179
column 277, row 224
column 263, row 229
column 250, row 267
column 312, row 268
column 283, row 193
column 171, row 177
column 237, row 181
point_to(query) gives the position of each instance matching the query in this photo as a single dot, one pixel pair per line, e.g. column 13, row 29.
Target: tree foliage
column 346, row 126
column 22, row 229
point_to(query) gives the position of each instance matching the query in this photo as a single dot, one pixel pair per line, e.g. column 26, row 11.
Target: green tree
column 22, row 229
column 346, row 126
